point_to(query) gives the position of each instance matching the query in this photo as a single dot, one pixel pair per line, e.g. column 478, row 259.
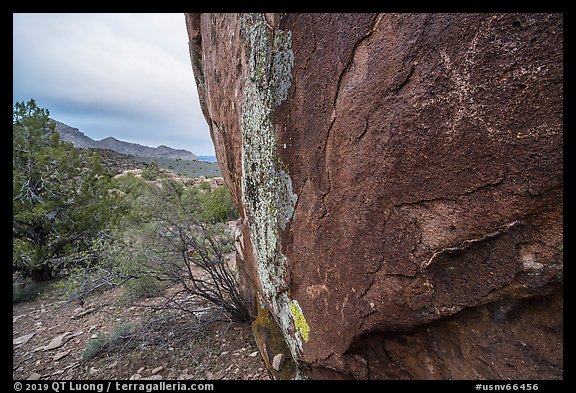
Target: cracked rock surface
column 425, row 155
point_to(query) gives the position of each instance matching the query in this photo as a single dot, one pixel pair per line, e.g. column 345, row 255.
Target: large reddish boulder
column 399, row 179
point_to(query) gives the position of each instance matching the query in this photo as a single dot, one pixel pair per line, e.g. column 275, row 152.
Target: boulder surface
column 399, row 179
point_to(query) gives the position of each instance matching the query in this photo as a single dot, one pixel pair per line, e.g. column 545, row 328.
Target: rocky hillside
column 79, row 139
column 50, row 337
column 118, row 162
column 400, row 182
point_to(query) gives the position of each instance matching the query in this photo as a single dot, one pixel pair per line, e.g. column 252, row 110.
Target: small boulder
column 278, row 361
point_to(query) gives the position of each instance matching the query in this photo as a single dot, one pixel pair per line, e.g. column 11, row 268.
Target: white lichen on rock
column 267, row 192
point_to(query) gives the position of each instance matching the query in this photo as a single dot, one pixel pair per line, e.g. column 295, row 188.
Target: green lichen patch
column 283, row 61
column 267, row 192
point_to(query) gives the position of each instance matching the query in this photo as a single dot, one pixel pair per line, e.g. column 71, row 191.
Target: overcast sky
column 122, row 75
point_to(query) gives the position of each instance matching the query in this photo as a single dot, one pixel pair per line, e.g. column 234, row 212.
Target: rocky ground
column 50, row 336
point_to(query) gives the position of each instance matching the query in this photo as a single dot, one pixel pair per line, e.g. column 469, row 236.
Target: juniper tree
column 61, row 203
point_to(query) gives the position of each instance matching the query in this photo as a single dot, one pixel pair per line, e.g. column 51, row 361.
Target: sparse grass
column 106, row 342
column 94, row 347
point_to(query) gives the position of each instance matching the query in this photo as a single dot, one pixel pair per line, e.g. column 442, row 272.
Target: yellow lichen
column 299, row 320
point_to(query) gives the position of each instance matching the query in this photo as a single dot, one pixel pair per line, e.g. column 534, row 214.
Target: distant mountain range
column 78, row 139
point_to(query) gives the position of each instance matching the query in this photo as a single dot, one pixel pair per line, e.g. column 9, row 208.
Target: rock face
column 400, row 182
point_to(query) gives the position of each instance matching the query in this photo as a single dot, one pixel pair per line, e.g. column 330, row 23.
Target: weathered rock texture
column 400, row 183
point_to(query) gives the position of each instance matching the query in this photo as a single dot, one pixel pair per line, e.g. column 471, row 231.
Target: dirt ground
column 165, row 345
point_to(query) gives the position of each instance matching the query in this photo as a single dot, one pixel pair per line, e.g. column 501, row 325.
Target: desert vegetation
column 80, row 229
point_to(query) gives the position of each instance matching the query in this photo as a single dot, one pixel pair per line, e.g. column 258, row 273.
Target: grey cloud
column 125, row 75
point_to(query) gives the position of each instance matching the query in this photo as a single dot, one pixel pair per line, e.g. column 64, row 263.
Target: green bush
column 170, row 230
column 31, row 290
column 152, row 171
column 217, row 206
column 166, row 235
column 145, row 286
column 26, row 293
column 204, row 186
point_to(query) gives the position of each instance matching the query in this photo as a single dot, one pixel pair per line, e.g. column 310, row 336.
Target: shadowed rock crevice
column 480, row 342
